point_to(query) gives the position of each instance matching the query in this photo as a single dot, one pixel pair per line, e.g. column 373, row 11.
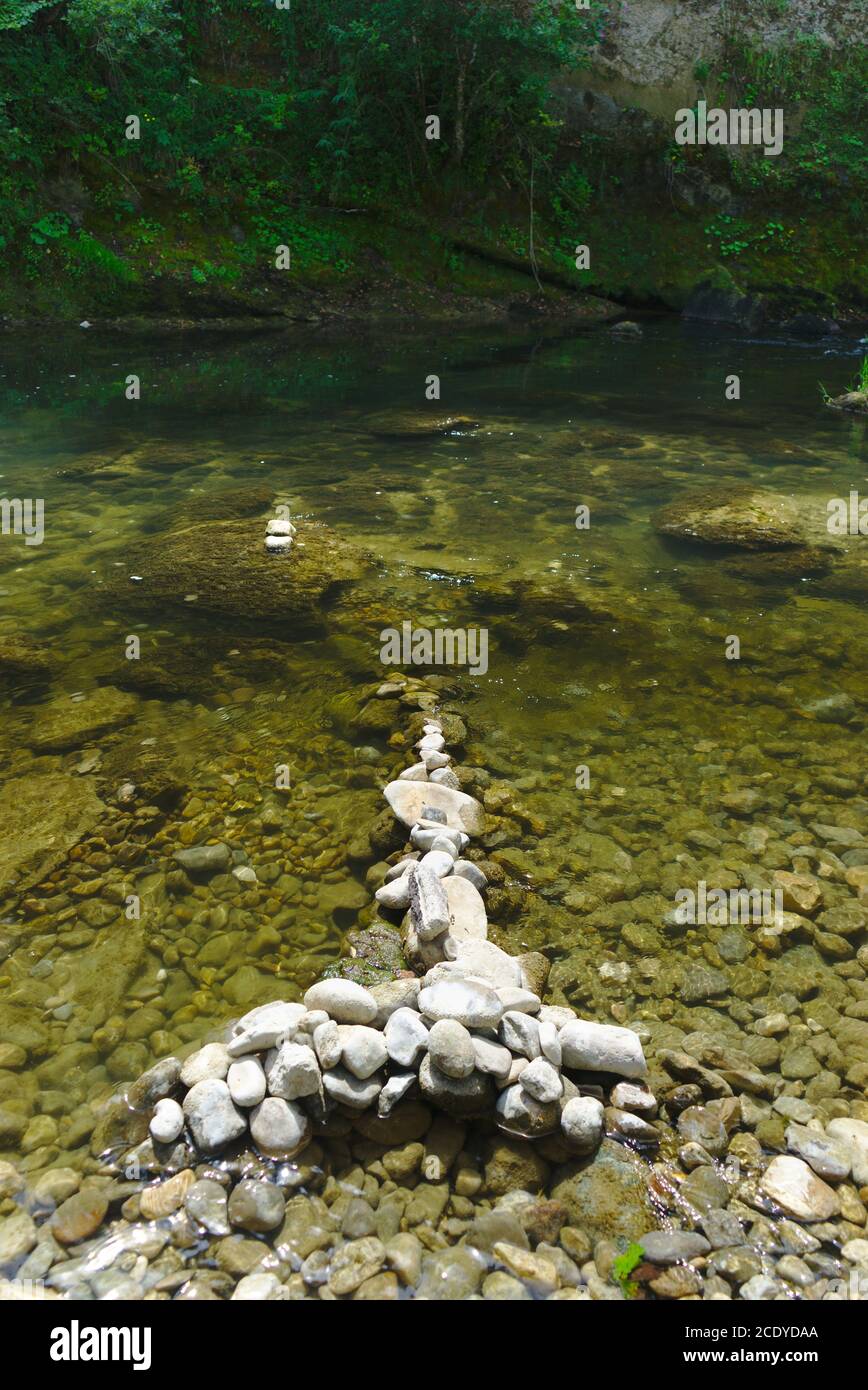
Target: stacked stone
column 471, row 1036
column 278, row 535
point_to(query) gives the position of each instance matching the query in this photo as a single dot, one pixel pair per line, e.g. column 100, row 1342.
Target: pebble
column 518, row 1112
column 363, row 1050
column 451, row 1048
column 205, row 1203
column 164, row 1198
column 541, row 1080
column 343, row 1000
column 550, row 1044
column 82, row 1214
column 797, row 1190
column 280, row 1128
column 853, row 1135
column 167, row 1121
column 520, row 1033
column 582, row 1124
column 474, row 1005
column 492, row 1058
column 256, row 1206
column 438, row 862
column 210, row 1062
column 246, row 1082
column 349, row 1090
column 602, row 1047
column 263, row 1027
column 395, row 895
column 211, row 1114
column 673, row 1247
column 327, row 1044
column 406, row 1037
column 292, row 1071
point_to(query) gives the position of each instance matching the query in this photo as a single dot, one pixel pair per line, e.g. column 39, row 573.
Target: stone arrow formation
column 471, row 1034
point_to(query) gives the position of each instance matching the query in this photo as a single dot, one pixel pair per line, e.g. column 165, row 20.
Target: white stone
column 210, row 1063
column 438, row 862
column 259, row 1288
column 399, row 869
column 550, row 1044
column 327, row 1044
column 343, row 1000
column 277, row 526
column 468, row 920
column 582, row 1124
column 167, row 1121
column 492, row 1058
column 797, row 1190
column 488, row 962
column 429, row 908
column 292, row 1071
column 520, row 1001
column 450, row 1048
column 246, row 1082
column 541, row 1081
column 520, row 1033
column 212, row 1116
column 349, row 1090
column 853, row 1134
column 417, row 773
column 279, row 1128
column 395, row 1089
column 395, row 895
column 406, row 1037
column 261, row 1028
column 431, row 743
column 435, row 759
column 363, row 1050
column 407, row 800
column 476, row 1006
column 602, row 1047
column 556, row 1014
column 278, row 543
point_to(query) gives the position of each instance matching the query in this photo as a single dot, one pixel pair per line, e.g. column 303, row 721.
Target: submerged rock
column 746, row 517
column 410, row 424
column 225, row 565
column 63, row 723
column 41, row 818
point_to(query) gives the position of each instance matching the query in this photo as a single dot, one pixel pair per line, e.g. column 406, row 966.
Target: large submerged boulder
column 223, row 568
column 41, row 818
column 746, row 517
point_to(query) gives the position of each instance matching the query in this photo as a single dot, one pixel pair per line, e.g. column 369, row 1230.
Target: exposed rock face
column 226, row 566
column 41, row 818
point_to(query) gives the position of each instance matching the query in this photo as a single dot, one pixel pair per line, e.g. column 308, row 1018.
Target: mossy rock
column 41, row 819
column 20, row 661
column 743, row 517
column 606, row 1195
column 226, row 566
column 854, row 401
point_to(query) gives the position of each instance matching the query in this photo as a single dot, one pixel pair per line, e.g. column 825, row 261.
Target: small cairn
column 278, row 535
column 472, row 1036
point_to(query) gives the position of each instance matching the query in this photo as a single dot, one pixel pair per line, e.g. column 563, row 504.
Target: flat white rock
column 462, row 812
column 474, row 1005
column 343, row 1000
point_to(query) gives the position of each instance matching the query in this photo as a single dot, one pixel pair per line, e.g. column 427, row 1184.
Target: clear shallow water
column 606, row 648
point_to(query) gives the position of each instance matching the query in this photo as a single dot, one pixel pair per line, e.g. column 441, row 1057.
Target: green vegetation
column 256, row 126
column 623, row 1267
